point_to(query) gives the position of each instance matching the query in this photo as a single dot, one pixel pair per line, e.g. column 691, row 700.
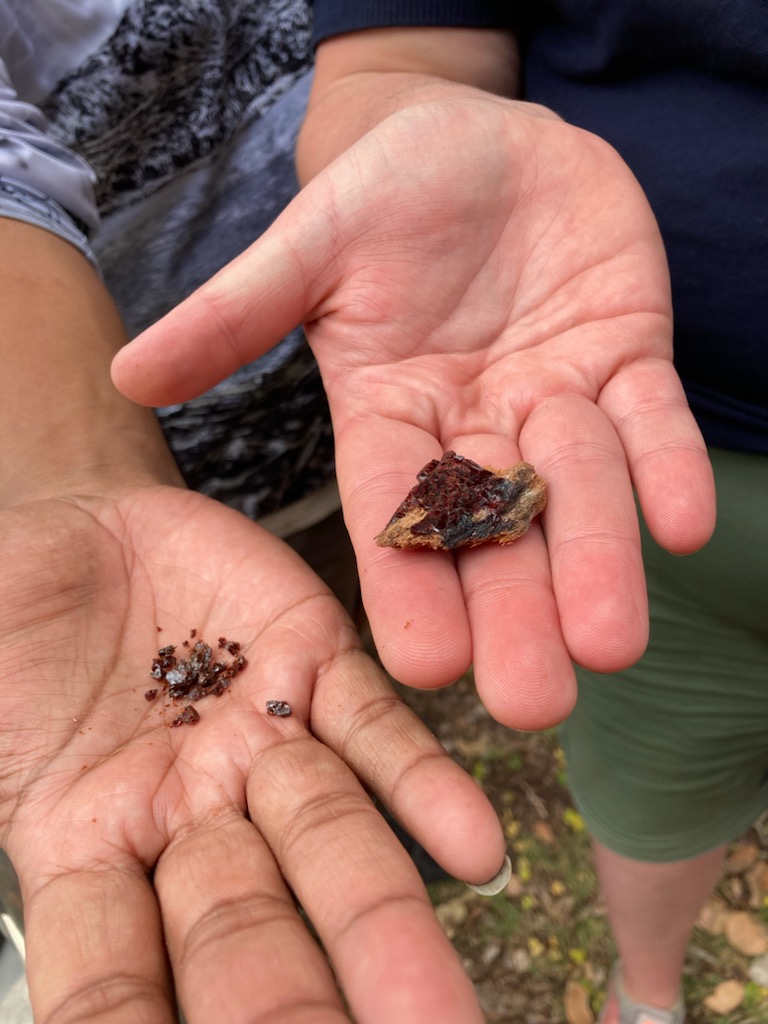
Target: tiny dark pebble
column 278, row 707
column 150, row 695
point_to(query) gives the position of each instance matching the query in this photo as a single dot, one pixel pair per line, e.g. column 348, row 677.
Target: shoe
column 638, row 1013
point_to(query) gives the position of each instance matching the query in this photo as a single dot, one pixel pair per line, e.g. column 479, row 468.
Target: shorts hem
column 667, row 850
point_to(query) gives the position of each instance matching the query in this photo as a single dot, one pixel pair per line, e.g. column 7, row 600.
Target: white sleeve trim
column 20, row 202
column 31, row 157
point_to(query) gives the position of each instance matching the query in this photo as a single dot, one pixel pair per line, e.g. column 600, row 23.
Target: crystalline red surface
column 458, row 503
column 189, row 716
column 195, row 676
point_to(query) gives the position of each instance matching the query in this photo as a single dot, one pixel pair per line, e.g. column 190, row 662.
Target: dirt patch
column 540, row 952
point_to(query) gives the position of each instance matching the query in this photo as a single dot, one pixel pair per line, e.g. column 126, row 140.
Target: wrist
column 65, row 427
column 69, row 469
column 361, row 78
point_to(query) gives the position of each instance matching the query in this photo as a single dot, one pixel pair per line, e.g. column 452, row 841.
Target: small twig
column 535, row 800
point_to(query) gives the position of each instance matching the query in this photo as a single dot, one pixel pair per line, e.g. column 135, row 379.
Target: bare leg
column 652, row 909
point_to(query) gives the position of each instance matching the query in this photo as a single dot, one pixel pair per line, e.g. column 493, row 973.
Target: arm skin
column 60, row 331
column 159, row 863
column 473, row 273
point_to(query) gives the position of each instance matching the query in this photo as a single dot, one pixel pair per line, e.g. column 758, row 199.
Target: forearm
column 363, row 77
column 64, row 425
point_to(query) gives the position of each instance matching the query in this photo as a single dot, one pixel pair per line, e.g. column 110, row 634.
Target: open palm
column 476, row 274
column 159, row 861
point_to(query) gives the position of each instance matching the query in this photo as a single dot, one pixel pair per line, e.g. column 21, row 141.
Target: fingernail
column 497, row 883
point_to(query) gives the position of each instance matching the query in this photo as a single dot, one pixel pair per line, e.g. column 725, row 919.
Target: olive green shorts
column 670, row 759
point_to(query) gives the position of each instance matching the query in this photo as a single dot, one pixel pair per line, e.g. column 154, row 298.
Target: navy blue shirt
column 680, row 89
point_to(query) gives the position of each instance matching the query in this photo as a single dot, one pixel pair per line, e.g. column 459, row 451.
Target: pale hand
column 152, row 856
column 476, row 275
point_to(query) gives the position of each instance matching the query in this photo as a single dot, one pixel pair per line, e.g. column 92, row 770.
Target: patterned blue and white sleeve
column 41, row 181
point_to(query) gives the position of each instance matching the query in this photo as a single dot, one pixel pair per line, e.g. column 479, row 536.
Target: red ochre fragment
column 457, row 503
column 281, row 708
column 195, row 676
column 189, row 716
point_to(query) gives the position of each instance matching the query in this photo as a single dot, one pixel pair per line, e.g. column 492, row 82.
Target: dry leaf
column 470, row 748
column 741, row 857
column 713, row 917
column 733, row 888
column 757, row 880
column 514, row 886
column 758, row 971
column 452, row 914
column 746, row 934
column 520, row 961
column 576, row 1001
column 726, row 997
column 544, row 832
column 535, row 946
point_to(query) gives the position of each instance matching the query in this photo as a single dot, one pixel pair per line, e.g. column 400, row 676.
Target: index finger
column 359, row 888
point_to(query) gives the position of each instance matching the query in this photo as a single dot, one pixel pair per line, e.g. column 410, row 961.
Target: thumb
column 236, row 316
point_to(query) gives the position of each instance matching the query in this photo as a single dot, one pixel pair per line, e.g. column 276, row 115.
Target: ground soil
column 540, row 952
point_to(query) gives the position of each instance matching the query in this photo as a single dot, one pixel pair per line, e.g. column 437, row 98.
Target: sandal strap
column 650, row 1015
column 631, row 1012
